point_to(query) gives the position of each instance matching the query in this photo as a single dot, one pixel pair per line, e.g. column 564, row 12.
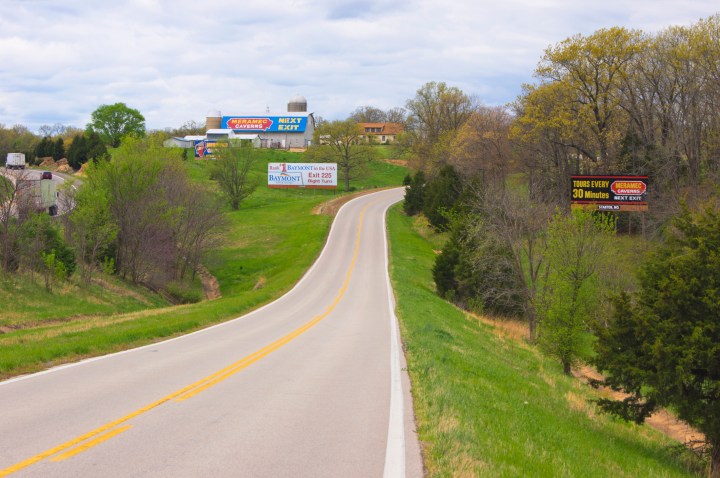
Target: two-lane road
column 310, row 385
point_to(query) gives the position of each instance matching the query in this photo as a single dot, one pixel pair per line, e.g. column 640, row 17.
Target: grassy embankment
column 491, row 405
column 270, row 242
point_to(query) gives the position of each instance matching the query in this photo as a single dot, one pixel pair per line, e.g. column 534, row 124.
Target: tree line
column 497, row 179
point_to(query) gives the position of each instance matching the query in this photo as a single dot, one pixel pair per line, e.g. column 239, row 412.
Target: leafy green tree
column 231, row 171
column 577, row 245
column 592, row 68
column 113, row 122
column 58, row 149
column 91, row 228
column 53, row 269
column 341, row 142
column 667, row 343
column 41, row 236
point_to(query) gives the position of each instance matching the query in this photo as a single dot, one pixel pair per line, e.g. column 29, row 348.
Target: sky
column 178, row 60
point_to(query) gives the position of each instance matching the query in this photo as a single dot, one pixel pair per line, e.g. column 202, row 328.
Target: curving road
column 310, row 385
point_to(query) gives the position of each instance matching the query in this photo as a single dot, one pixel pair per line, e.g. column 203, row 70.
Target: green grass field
column 269, row 243
column 488, row 405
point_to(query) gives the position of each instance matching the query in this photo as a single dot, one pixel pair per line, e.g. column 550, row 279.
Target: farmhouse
column 380, row 132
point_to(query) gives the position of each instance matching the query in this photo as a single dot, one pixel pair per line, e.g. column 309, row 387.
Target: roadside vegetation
column 489, row 404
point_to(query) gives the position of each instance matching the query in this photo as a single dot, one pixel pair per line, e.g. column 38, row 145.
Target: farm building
column 293, row 130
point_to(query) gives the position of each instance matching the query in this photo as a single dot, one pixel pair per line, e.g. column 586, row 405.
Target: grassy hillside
column 488, row 405
column 270, row 242
column 26, row 302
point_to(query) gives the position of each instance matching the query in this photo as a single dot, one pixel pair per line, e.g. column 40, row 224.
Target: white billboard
column 302, row 175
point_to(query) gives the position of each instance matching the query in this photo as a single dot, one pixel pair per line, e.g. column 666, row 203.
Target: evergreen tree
column 77, row 153
column 96, row 148
column 441, row 194
column 667, row 344
column 473, row 269
column 58, row 149
column 415, row 194
column 444, row 270
column 44, row 148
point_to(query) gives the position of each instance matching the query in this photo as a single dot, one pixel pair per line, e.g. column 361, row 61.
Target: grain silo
column 297, row 105
column 213, row 120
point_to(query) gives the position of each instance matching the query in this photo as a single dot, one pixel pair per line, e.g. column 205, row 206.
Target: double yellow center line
column 112, row 429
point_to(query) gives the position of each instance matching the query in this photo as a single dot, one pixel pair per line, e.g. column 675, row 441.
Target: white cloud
column 176, row 60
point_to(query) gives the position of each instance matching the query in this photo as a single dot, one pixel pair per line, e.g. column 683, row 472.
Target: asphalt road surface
column 310, row 385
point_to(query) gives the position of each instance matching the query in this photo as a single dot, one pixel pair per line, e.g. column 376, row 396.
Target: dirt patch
column 661, row 420
column 65, row 169
column 260, row 283
column 46, row 162
column 397, row 162
column 210, row 284
column 506, row 328
column 331, row 207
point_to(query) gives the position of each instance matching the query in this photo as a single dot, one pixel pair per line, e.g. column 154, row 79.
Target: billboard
column 265, row 124
column 204, row 148
column 609, row 193
column 302, row 175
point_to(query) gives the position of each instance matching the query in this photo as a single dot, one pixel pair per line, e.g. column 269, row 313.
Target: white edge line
column 395, row 451
column 222, row 324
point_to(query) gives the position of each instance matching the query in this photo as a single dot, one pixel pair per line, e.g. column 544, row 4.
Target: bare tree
column 482, row 146
column 396, row 115
column 199, row 227
column 13, row 213
column 519, row 223
column 368, row 114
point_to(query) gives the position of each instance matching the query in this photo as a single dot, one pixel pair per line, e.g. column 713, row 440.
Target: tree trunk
column 714, row 459
column 532, row 324
column 567, row 370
